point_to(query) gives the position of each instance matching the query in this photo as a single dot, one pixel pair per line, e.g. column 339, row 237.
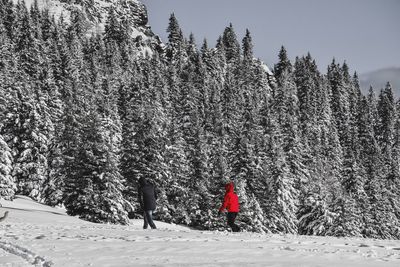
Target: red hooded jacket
column 231, row 200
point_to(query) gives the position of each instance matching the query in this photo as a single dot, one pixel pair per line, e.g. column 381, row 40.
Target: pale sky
column 365, row 33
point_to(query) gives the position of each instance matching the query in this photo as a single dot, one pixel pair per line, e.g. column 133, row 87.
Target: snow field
column 37, row 235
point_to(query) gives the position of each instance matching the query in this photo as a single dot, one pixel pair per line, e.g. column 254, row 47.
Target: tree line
column 82, row 118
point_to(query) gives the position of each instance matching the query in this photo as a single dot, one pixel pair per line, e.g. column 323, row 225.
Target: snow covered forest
column 85, row 114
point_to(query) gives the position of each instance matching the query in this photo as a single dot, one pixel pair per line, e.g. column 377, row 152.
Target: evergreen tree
column 286, row 111
column 386, row 112
column 131, row 117
column 247, row 46
column 284, row 64
column 372, row 163
column 281, row 210
column 46, row 25
column 7, row 13
column 315, row 216
column 307, row 79
column 347, row 220
column 25, row 128
column 77, row 26
column 339, row 101
column 36, row 18
column 7, row 183
column 77, row 183
column 26, row 45
column 113, row 31
column 231, row 44
column 175, row 38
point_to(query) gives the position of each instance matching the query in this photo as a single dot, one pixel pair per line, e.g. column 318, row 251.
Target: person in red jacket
column 231, row 203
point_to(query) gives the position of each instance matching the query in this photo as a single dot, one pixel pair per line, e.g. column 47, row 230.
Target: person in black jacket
column 147, row 197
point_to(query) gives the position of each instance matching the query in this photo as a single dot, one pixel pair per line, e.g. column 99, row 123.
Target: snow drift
column 35, row 234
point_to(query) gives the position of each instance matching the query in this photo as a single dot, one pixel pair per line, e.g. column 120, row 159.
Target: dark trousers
column 231, row 216
column 148, row 219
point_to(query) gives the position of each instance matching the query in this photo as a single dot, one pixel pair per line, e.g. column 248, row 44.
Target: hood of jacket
column 229, row 187
column 142, row 181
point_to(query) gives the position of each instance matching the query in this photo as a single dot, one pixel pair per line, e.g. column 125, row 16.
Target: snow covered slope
column 95, row 13
column 35, row 234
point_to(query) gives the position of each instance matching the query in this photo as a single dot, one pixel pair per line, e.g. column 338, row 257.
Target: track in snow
column 25, row 253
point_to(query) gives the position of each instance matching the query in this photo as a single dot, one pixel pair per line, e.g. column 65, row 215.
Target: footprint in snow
column 289, row 248
column 371, row 254
column 40, row 237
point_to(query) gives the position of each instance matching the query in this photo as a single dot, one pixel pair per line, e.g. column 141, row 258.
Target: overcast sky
column 365, row 33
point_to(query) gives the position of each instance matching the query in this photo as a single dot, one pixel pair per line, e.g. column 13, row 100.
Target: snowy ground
column 38, row 235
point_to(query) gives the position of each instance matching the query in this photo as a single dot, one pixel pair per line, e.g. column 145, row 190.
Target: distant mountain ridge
column 378, row 79
column 95, row 13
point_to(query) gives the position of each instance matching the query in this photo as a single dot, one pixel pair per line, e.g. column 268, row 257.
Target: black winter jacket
column 147, row 195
